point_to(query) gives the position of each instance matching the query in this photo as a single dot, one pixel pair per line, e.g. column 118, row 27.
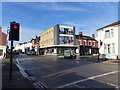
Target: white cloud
column 53, row 6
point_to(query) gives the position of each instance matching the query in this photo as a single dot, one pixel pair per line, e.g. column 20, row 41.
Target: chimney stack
column 93, row 35
column 80, row 33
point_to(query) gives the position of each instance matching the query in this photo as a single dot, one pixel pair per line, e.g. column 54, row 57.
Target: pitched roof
column 115, row 23
column 84, row 37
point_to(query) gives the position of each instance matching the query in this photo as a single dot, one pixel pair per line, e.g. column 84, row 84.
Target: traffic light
column 14, row 31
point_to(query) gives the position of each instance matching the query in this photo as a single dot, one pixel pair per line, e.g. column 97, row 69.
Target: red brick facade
column 3, row 37
column 87, row 40
column 92, row 43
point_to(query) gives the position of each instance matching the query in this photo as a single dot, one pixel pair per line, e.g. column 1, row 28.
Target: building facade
column 56, row 39
column 24, row 47
column 109, row 40
column 3, row 40
column 36, row 44
column 86, row 45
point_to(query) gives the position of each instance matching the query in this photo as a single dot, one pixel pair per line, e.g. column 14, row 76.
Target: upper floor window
column 112, row 33
column 85, row 42
column 66, row 31
column 80, row 42
column 93, row 43
column 90, row 43
column 107, row 34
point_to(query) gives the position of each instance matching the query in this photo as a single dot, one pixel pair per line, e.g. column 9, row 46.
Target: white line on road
column 93, row 77
column 17, row 61
column 116, row 86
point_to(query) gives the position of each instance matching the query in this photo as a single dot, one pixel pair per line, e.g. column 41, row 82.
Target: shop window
column 1, row 52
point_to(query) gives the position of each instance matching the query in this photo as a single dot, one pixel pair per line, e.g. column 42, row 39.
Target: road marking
column 80, row 86
column 17, row 61
column 109, row 62
column 116, row 86
column 93, row 77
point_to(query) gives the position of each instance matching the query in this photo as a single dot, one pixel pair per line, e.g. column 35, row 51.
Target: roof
column 115, row 23
column 84, row 37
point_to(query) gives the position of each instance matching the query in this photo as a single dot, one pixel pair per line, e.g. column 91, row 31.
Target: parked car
column 69, row 54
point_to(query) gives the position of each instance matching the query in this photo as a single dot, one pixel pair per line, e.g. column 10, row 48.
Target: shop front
column 57, row 50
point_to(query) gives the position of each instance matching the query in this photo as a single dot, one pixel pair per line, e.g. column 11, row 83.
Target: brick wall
column 92, row 43
column 0, row 36
column 4, row 38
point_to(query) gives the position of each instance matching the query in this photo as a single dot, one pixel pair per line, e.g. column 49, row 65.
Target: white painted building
column 109, row 40
column 23, row 46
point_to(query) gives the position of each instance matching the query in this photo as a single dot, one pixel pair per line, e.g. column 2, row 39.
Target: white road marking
column 116, row 86
column 93, row 77
column 109, row 62
column 80, row 86
column 17, row 61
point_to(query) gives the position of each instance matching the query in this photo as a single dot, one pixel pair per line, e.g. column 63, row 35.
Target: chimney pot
column 93, row 35
column 80, row 33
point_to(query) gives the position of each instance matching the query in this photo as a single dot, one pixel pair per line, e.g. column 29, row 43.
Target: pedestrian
column 4, row 56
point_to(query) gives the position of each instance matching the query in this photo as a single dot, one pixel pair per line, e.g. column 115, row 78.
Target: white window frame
column 112, row 33
column 107, row 34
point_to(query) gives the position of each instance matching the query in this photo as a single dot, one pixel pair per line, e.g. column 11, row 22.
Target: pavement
column 18, row 81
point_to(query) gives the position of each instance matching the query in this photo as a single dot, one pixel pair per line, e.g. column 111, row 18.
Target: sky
column 36, row 17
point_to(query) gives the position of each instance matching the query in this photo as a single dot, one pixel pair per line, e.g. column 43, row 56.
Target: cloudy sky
column 35, row 17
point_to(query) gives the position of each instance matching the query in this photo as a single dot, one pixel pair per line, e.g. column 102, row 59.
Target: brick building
column 86, row 45
column 36, row 44
column 3, row 38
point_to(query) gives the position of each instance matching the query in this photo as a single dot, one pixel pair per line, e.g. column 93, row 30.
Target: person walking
column 4, row 56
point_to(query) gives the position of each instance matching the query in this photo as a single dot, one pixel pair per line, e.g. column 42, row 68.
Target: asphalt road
column 81, row 72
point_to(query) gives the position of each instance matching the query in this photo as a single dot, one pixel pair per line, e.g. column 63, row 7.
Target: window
column 112, row 33
column 1, row 52
column 108, row 48
column 85, row 43
column 90, row 43
column 107, row 34
column 93, row 43
column 80, row 42
column 65, row 30
column 113, row 47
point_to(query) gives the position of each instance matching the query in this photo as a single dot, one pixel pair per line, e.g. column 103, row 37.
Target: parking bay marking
column 93, row 77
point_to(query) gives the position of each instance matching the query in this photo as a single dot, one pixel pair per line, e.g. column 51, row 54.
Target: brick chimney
column 80, row 33
column 93, row 35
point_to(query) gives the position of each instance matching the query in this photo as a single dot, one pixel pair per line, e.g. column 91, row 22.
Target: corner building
column 57, row 39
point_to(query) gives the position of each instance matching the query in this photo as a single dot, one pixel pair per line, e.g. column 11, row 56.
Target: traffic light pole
column 11, row 61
